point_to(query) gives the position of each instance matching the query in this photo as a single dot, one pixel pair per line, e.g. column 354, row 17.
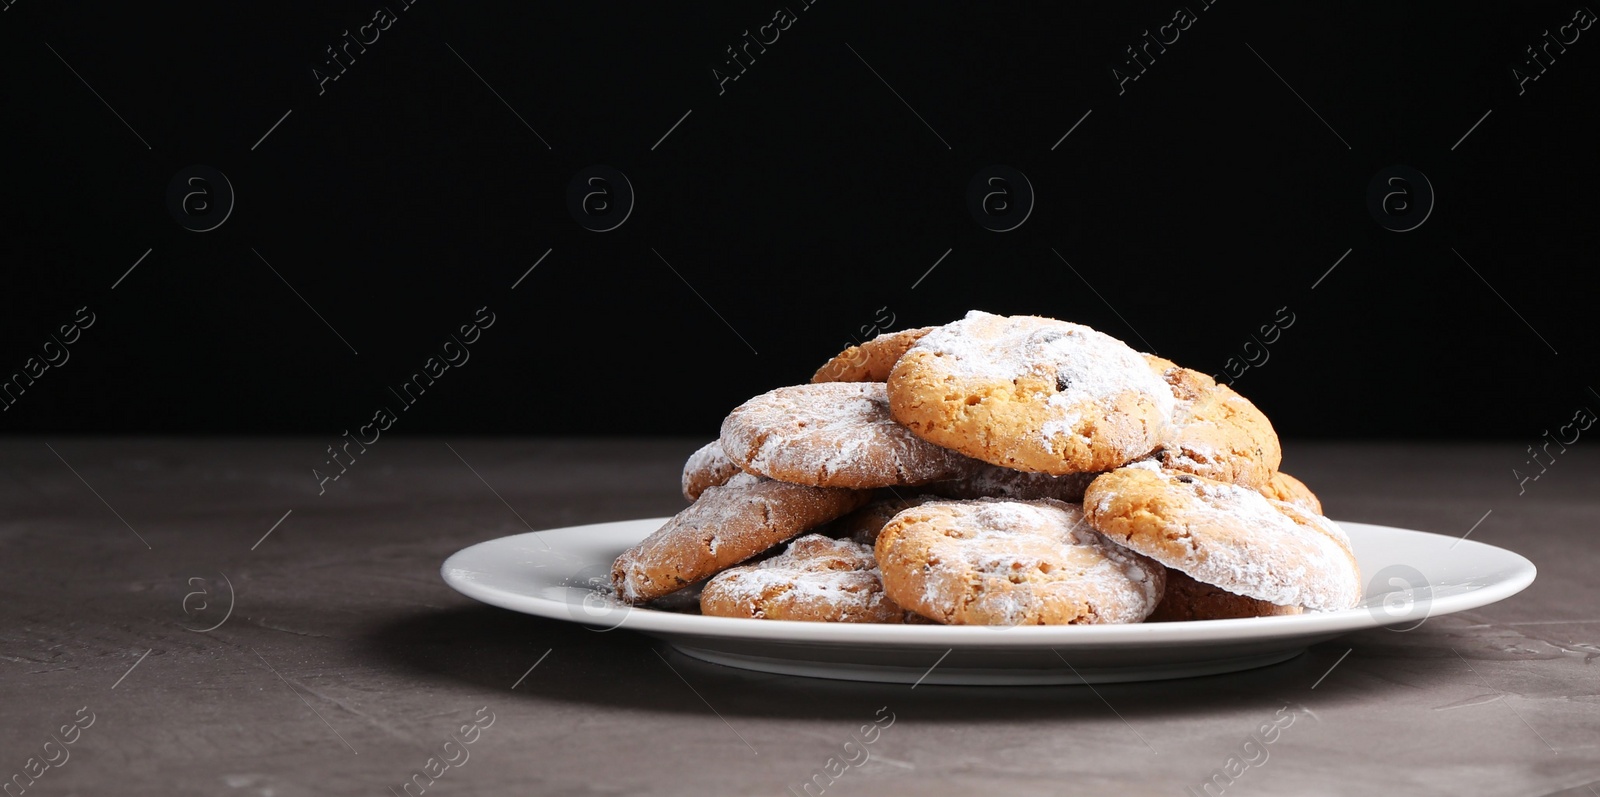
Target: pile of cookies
column 995, row 471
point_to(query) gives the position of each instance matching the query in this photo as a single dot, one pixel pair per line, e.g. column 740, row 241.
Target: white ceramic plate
column 563, row 573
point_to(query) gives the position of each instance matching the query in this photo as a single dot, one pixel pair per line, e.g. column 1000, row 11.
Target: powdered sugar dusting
column 1215, row 432
column 707, row 467
column 1012, row 562
column 1090, row 374
column 725, row 526
column 1243, row 542
column 832, row 434
column 815, row 578
column 1088, row 365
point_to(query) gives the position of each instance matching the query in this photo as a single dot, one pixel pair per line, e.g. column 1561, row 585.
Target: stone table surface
column 342, row 663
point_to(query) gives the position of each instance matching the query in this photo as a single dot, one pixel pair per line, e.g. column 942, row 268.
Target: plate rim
column 1519, row 574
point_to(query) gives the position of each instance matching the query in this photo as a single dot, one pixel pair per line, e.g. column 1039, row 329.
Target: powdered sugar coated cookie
column 832, row 434
column 1227, row 535
column 994, row 562
column 816, row 578
column 1031, row 393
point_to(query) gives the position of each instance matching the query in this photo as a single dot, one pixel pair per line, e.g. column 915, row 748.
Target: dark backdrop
column 790, row 210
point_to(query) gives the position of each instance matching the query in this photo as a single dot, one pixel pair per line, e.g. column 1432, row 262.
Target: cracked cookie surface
column 996, row 562
column 1215, row 432
column 816, row 579
column 707, row 467
column 1031, row 394
column 832, row 434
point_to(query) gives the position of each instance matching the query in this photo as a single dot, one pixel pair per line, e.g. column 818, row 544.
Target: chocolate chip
column 1062, row 382
column 1186, row 479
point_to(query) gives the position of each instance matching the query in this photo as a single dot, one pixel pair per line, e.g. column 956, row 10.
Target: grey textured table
column 346, row 664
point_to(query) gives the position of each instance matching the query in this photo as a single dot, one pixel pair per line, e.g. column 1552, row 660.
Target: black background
column 796, row 204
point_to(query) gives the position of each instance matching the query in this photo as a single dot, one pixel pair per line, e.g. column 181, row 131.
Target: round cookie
column 816, row 578
column 992, row 481
column 871, row 361
column 1032, row 394
column 1214, row 431
column 707, row 467
column 1187, row 599
column 1227, row 535
column 832, row 434
column 1284, row 487
column 992, row 562
column 725, row 526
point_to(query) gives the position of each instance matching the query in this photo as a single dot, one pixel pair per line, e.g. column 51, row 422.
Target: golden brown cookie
column 1284, row 487
column 832, row 434
column 992, row 562
column 871, row 361
column 1031, row 393
column 1227, row 535
column 816, row 578
column 1214, row 431
column 1187, row 599
column 707, row 467
column 725, row 526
